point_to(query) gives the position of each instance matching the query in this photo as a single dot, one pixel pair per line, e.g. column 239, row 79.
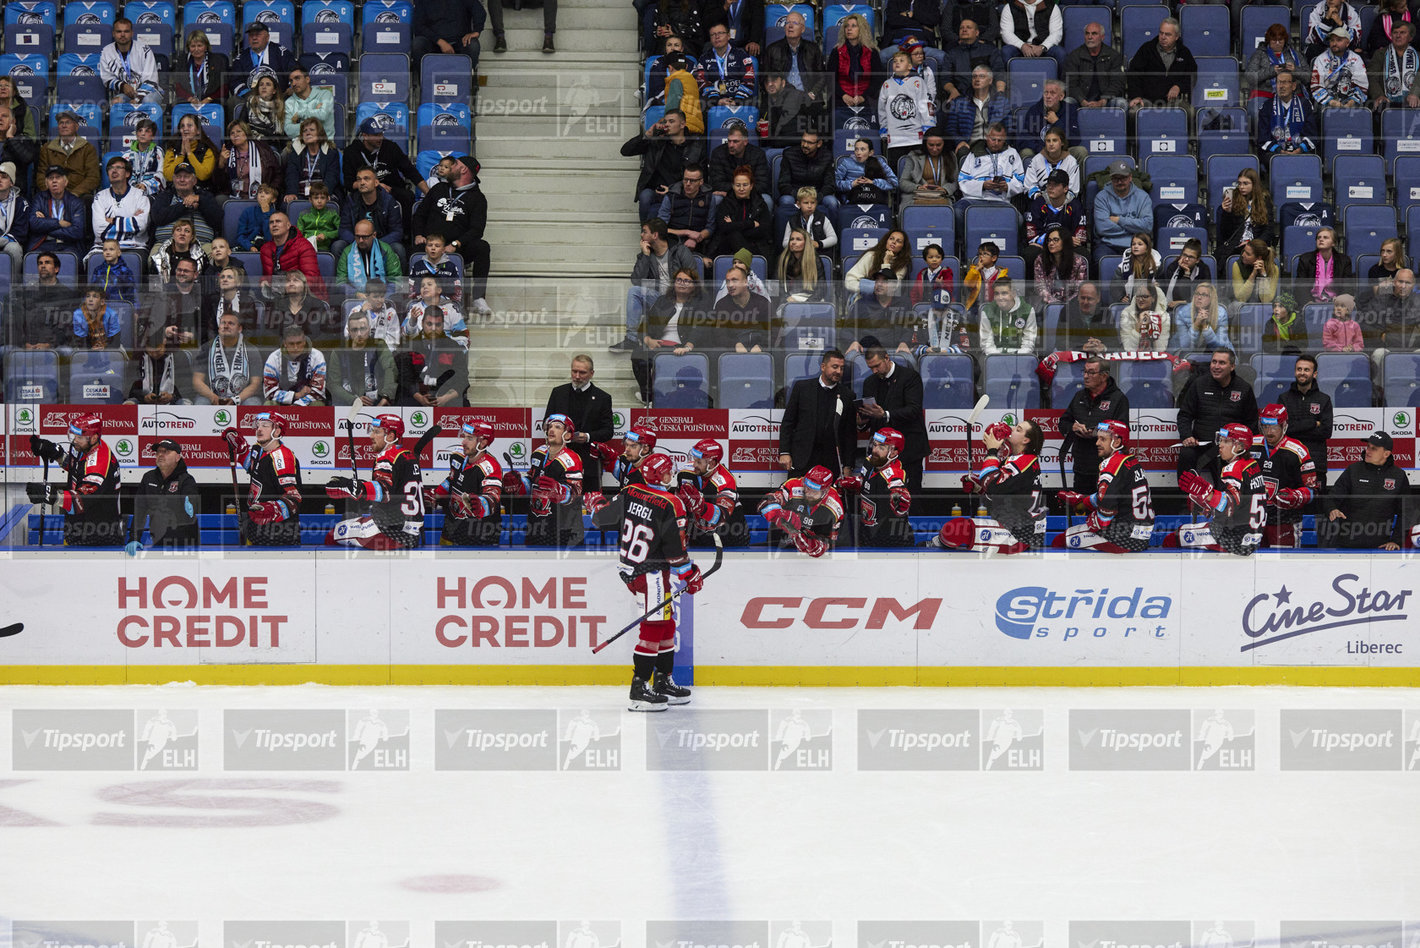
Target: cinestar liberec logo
column 1348, row 601
column 1028, row 612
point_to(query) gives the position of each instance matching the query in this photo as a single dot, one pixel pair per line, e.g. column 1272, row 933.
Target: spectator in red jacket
column 288, row 250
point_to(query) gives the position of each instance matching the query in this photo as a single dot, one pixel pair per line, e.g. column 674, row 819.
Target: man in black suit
column 259, row 54
column 819, row 424
column 896, row 392
column 590, row 410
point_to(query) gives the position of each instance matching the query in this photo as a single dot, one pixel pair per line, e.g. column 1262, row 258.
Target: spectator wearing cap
column 458, row 209
column 317, row 160
column 181, row 201
column 1339, row 77
column 371, row 203
column 393, row 170
column 14, row 218
column 1055, row 206
column 127, row 68
column 450, row 27
column 304, row 101
column 1369, row 507
column 259, row 57
column 16, row 146
column 1121, row 211
column 191, row 146
column 1325, row 19
column 57, row 216
column 74, row 154
column 166, row 503
column 120, row 212
column 153, row 374
column 1162, row 71
column 201, row 78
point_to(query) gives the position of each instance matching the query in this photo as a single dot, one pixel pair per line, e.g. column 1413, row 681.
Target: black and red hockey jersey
column 560, row 524
column 626, row 473
column 275, row 478
column 90, row 498
column 723, row 513
column 1123, row 493
column 480, row 480
column 396, row 496
column 1289, row 476
column 652, row 535
column 821, row 519
column 1013, row 497
column 880, row 525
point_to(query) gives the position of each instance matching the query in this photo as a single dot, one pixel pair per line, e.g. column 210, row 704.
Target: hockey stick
column 971, row 420
column 43, row 508
column 1065, row 446
column 10, row 630
column 719, row 557
column 424, row 439
column 350, row 433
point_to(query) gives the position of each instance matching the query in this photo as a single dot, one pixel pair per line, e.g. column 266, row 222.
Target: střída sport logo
column 1035, row 612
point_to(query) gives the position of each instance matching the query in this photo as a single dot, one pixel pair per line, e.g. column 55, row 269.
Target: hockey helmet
column 891, row 437
column 656, row 468
column 1117, row 429
column 88, row 425
column 393, row 425
column 1273, row 414
column 568, row 428
column 819, row 478
column 276, row 419
column 642, row 436
column 1236, row 431
column 709, row 449
column 478, row 429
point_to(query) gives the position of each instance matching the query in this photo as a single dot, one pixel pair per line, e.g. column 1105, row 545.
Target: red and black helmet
column 89, row 425
column 708, row 448
column 392, row 424
column 1273, row 414
column 656, row 468
column 642, row 436
column 276, row 419
column 568, row 428
column 478, row 429
column 890, row 437
column 1236, row 431
column 1117, row 429
column 818, row 478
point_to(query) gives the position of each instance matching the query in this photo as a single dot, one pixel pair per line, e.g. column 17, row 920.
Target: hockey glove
column 900, row 500
column 972, row 484
column 132, row 547
column 691, row 576
column 814, row 546
column 554, row 490
column 42, row 493
column 1095, row 522
column 45, row 450
column 636, row 584
column 1070, row 499
column 594, row 501
column 850, row 482
column 1198, row 489
column 237, row 447
column 513, row 484
column 345, row 487
column 606, row 453
column 787, row 520
column 431, row 498
column 460, row 506
column 1000, row 431
column 1290, row 498
column 690, row 495
column 266, row 512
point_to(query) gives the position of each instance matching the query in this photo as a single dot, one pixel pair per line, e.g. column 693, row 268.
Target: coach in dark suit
column 898, row 393
column 819, row 425
column 590, row 410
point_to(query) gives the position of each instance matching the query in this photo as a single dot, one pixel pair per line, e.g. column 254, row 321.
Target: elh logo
column 797, row 934
column 379, row 739
column 1224, row 740
column 803, row 740
column 1012, row 934
column 1013, row 740
column 476, row 739
column 1224, row 934
column 283, row 739
column 919, row 739
column 588, row 934
column 376, row 934
column 708, row 740
column 1129, row 739
column 1412, row 744
column 1319, row 739
column 589, row 740
column 167, row 740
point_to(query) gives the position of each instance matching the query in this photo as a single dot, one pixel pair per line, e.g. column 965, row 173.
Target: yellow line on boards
column 738, row 675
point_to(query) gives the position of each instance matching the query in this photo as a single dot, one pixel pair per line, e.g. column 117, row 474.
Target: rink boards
column 868, row 619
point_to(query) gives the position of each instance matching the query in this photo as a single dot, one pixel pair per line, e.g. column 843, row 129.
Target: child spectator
column 811, row 221
column 934, row 283
column 384, row 318
column 254, row 226
column 430, row 300
column 436, row 262
column 1342, row 333
column 146, row 158
column 321, row 222
column 114, row 276
column 96, row 324
column 983, row 274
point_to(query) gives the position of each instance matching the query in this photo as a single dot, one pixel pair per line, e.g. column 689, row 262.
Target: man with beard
column 457, row 208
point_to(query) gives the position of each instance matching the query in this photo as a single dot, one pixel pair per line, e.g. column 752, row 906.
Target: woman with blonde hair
column 1255, row 275
column 1202, row 324
column 202, row 78
column 798, row 270
column 857, row 70
column 1144, row 324
column 1393, row 259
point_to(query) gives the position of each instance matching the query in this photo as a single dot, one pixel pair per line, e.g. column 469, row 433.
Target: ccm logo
column 781, row 612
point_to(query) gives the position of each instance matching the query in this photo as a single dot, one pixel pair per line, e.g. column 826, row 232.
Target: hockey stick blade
column 10, row 630
column 719, row 558
column 977, row 409
column 433, row 432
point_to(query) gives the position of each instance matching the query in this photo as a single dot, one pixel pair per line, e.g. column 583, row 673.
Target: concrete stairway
column 562, row 223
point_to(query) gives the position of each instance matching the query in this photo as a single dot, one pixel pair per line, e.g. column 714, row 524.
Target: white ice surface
column 633, row 845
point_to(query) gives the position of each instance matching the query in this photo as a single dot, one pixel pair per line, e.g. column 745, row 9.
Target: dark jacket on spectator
column 777, row 61
column 391, row 165
column 327, row 170
column 212, row 85
column 663, row 161
column 1081, row 68
column 449, row 19
column 469, row 207
column 45, row 232
column 723, row 165
column 167, row 206
column 1150, row 81
column 961, row 60
column 386, row 215
column 921, row 24
column 277, row 58
column 814, row 431
column 749, row 29
column 797, row 170
column 984, row 13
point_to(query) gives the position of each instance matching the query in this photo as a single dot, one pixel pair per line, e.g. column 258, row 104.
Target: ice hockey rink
column 763, row 818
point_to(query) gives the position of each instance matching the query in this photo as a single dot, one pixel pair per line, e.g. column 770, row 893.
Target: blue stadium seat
column 391, row 117
column 213, row 116
column 1366, row 226
column 1011, row 381
column 1294, row 178
column 1359, row 179
column 1400, row 133
column 807, row 327
column 1175, row 178
column 776, row 13
column 1402, row 380
column 386, row 37
column 89, row 12
column 320, row 12
column 1069, row 379
column 1172, row 239
column 91, row 116
column 948, row 381
column 1275, row 374
column 32, row 38
column 1147, row 384
column 98, row 378
column 1315, row 315
column 204, row 14
column 1026, row 76
column 757, row 265
column 30, row 73
column 988, row 222
column 651, row 115
column 834, row 12
column 746, row 380
column 1407, row 182
column 1256, row 19
column 800, row 365
column 1346, row 377
column 156, row 35
column 855, row 372
column 32, row 12
column 31, row 376
column 123, row 122
column 441, row 140
column 76, row 64
column 384, row 77
column 1298, row 239
column 1103, row 132
column 231, row 214
column 1223, row 170
column 722, row 118
column 1217, row 83
column 1050, row 327
column 270, row 12
column 854, row 242
column 445, row 78
column 1076, row 18
column 1208, row 28
column 383, row 12
column 73, row 88
column 68, row 268
column 1138, row 25
column 1346, row 132
column 1412, row 230
column 681, row 381
column 862, row 216
column 328, row 37
column 1161, row 132
column 452, row 118
column 88, row 37
column 147, row 13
